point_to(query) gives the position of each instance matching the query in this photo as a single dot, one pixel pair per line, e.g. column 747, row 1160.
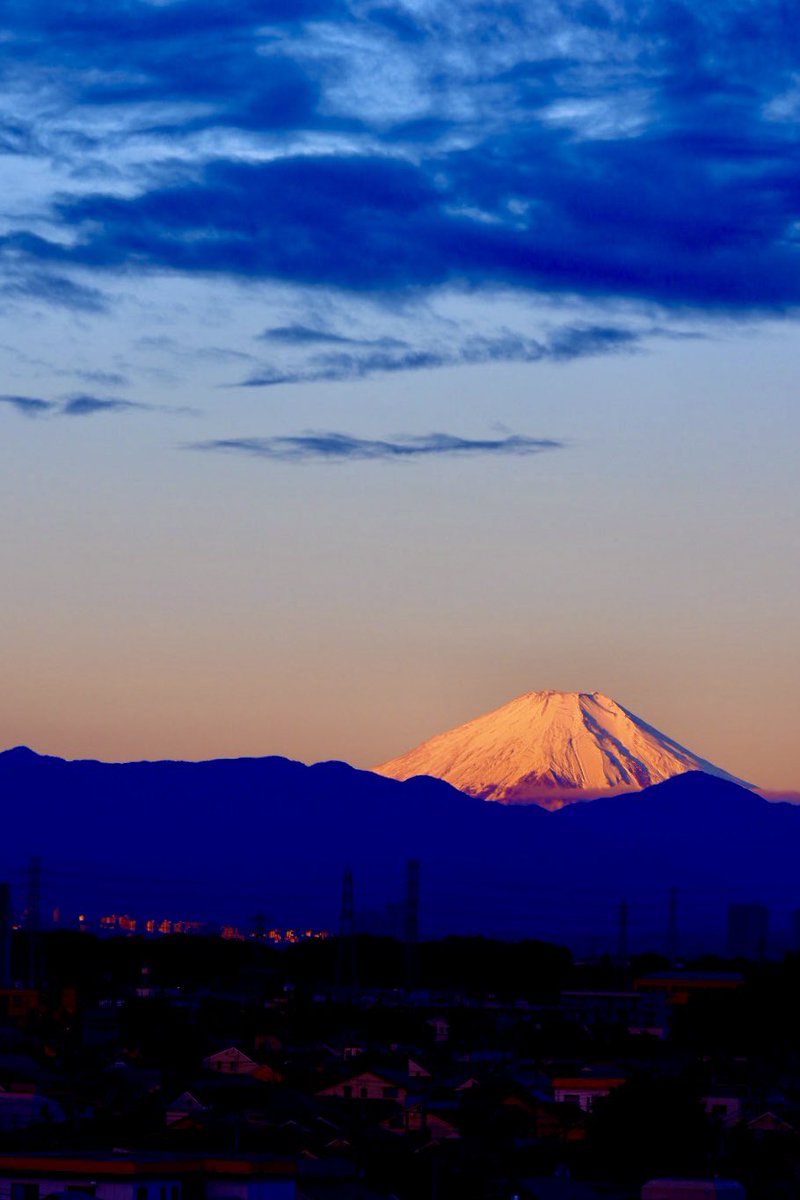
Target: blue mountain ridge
column 228, row 837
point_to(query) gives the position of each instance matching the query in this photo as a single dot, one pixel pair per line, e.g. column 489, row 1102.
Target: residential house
column 369, row 1085
column 184, row 1106
column 231, row 1061
column 587, row 1087
column 769, row 1124
column 725, row 1105
column 418, row 1117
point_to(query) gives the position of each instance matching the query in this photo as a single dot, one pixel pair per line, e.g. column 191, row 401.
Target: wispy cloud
column 54, row 289
column 29, row 406
column 306, row 335
column 565, row 344
column 339, row 447
column 82, row 404
column 102, row 378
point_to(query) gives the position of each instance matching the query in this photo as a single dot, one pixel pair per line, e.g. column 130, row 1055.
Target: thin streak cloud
column 55, row 290
column 341, row 447
column 305, row 335
column 83, row 404
column 566, row 344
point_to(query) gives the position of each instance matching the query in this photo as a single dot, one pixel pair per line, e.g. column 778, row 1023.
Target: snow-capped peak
column 550, row 747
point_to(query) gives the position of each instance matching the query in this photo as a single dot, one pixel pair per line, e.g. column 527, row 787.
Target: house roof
column 588, row 1083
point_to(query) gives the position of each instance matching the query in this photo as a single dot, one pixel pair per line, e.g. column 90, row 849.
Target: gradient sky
column 365, row 365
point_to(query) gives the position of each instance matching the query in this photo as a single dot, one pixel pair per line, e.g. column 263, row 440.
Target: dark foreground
column 507, row 1069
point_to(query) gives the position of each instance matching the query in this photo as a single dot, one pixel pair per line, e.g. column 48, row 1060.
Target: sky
column 366, row 365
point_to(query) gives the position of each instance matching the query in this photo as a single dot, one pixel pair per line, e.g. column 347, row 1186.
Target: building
column 678, row 986
column 231, row 1061
column 642, row 1012
column 693, row 1189
column 20, row 1109
column 724, row 1105
column 144, row 1175
column 586, row 1089
column 16, row 1004
column 370, row 1085
column 184, row 1106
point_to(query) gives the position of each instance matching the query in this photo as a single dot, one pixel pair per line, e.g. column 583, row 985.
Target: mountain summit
column 550, row 748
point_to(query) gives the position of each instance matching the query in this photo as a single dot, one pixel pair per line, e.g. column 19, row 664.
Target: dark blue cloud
column 196, row 51
column 271, row 93
column 641, row 217
column 645, row 151
column 338, row 447
column 119, row 23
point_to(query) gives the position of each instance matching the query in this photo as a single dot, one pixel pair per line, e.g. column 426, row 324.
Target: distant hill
column 232, row 837
column 550, row 748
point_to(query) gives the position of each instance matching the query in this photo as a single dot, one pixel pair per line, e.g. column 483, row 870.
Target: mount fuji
column 551, row 748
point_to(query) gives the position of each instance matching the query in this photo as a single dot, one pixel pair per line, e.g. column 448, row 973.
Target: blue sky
column 367, row 364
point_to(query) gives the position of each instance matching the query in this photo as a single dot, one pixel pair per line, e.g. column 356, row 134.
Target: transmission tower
column 622, row 932
column 672, row 925
column 346, row 965
column 412, row 924
column 5, row 935
column 33, row 920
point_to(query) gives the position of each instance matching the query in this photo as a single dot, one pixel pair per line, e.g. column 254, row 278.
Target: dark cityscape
column 325, row 1065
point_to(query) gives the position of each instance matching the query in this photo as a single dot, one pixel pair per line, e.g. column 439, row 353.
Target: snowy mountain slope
column 550, row 747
